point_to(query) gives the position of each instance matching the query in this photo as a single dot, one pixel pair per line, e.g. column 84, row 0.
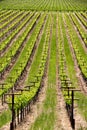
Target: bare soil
column 82, row 83
column 62, row 122
column 4, row 50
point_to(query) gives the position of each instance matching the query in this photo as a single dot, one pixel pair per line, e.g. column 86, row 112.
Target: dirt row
column 84, row 16
column 78, row 71
column 9, row 23
column 85, row 27
column 63, row 119
column 80, row 122
column 6, row 27
column 5, row 49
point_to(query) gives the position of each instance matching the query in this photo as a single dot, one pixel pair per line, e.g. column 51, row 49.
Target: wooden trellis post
column 72, row 89
column 72, row 108
column 1, row 71
column 20, row 113
column 13, row 123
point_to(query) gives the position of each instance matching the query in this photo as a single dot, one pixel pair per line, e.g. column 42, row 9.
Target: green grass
column 51, row 5
column 82, row 104
column 5, row 117
column 46, row 120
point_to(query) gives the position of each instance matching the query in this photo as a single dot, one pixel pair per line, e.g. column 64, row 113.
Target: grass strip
column 5, row 117
column 46, row 120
